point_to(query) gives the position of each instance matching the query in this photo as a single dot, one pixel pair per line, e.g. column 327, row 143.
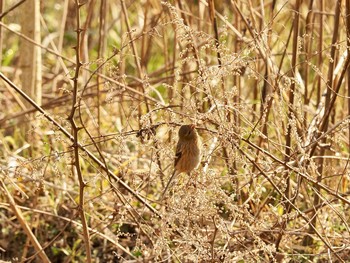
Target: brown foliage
column 263, row 81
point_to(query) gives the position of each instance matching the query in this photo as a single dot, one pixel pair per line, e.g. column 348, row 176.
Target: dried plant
column 265, row 82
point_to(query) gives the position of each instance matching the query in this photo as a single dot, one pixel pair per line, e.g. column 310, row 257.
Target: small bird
column 188, row 152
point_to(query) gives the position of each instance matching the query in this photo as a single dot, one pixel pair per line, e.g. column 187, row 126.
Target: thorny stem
column 75, row 131
column 71, row 138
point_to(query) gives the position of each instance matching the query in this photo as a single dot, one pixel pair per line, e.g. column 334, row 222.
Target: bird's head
column 188, row 132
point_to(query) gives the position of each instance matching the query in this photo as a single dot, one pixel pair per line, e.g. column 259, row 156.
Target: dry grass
column 267, row 84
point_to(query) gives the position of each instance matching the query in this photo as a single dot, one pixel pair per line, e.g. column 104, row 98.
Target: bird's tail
column 169, row 183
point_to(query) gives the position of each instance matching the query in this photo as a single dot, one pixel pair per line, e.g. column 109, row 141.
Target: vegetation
column 267, row 84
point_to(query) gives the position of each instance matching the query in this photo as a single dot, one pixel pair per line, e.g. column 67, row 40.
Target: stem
column 71, row 138
column 75, row 131
column 290, row 118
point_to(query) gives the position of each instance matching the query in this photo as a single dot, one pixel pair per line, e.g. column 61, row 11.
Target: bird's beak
column 192, row 126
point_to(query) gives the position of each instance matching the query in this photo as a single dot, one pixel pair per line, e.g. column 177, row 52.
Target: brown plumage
column 188, row 152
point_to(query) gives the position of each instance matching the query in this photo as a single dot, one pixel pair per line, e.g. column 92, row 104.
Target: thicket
column 267, row 84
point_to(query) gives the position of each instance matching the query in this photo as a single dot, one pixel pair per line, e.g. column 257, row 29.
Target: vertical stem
column 75, row 130
column 325, row 121
column 84, row 48
column 348, row 43
column 21, row 218
column 144, row 42
column 30, row 64
column 60, row 42
column 290, row 116
column 137, row 60
column 236, row 117
column 101, row 50
column 291, row 95
column 320, row 47
column 100, row 57
column 2, row 3
column 204, row 104
column 329, row 92
column 218, row 55
column 308, row 44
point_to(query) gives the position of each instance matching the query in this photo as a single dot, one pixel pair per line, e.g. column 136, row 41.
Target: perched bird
column 188, row 152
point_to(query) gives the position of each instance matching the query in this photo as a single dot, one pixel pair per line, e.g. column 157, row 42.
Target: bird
column 188, row 152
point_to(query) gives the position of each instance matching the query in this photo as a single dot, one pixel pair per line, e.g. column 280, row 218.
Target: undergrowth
column 265, row 82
